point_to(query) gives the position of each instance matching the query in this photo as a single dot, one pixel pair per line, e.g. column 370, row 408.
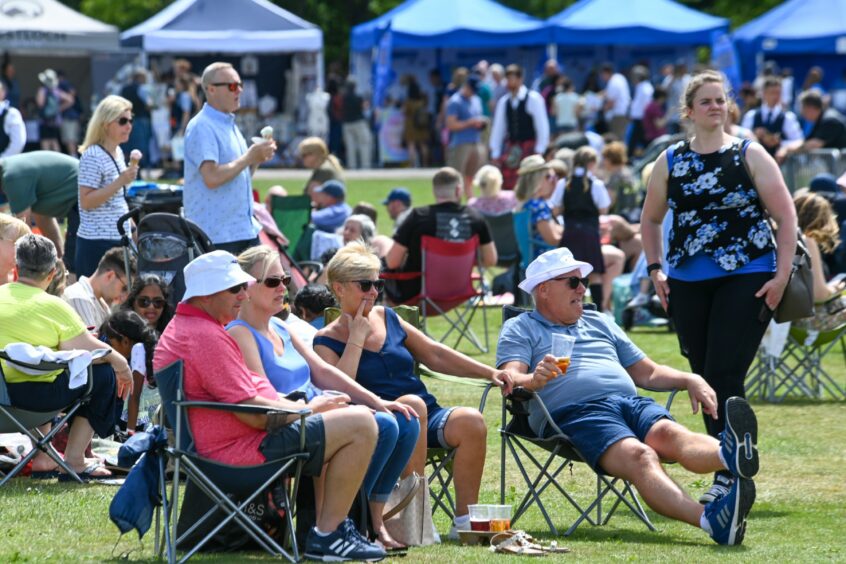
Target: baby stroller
column 166, row 243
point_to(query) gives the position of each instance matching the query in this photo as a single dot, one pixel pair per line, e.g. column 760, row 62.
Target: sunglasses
column 366, row 285
column 231, row 86
column 574, row 281
column 144, row 301
column 123, row 121
column 275, row 281
column 237, row 289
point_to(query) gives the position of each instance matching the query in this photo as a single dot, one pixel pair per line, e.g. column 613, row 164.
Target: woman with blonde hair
column 270, row 349
column 535, row 183
column 492, row 201
column 11, row 229
column 316, row 156
column 103, row 177
column 377, row 349
column 819, row 226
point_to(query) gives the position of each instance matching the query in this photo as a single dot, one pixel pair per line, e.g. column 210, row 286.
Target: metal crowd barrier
column 800, row 168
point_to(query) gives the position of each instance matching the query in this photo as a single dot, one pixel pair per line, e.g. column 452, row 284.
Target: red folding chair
column 447, row 282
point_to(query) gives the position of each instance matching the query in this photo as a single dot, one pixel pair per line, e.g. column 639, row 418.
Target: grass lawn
column 799, row 516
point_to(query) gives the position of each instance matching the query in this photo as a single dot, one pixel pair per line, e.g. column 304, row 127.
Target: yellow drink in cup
column 562, row 350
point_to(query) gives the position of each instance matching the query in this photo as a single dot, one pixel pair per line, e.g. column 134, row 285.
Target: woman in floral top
column 536, row 182
column 724, row 276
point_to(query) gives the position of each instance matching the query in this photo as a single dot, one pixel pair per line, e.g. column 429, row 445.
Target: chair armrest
column 424, row 371
column 242, row 408
column 399, row 275
column 672, row 395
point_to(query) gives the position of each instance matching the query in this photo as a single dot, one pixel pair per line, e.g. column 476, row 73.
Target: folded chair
column 447, row 282
column 17, row 420
column 440, row 460
column 231, row 488
column 560, row 453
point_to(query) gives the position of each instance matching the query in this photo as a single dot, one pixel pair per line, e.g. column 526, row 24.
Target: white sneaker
column 453, row 532
column 639, row 300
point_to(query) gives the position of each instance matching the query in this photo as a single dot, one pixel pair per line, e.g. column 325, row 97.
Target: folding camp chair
column 517, row 435
column 505, row 238
column 231, row 488
column 292, row 215
column 439, row 459
column 16, row 420
column 446, row 282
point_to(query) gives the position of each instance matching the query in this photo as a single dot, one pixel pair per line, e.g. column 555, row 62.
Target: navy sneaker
column 727, row 515
column 344, row 544
column 739, row 440
column 720, row 487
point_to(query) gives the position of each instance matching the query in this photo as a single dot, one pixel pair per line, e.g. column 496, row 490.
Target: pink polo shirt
column 214, row 370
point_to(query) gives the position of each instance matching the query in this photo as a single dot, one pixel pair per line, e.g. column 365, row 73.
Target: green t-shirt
column 45, row 181
column 31, row 315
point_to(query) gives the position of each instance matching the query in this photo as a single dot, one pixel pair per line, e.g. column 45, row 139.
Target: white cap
column 550, row 265
column 212, row 273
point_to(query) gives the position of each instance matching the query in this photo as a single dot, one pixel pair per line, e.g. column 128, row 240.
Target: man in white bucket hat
column 596, row 403
column 214, row 370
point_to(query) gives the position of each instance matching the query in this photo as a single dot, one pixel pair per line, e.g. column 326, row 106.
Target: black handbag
column 798, row 299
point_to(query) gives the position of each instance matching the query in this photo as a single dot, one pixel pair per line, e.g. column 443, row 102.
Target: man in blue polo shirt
column 596, row 403
column 465, row 121
column 219, row 166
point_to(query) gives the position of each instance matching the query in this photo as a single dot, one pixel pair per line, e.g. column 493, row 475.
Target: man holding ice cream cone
column 219, row 165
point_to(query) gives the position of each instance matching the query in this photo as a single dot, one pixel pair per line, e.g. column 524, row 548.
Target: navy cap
column 473, row 82
column 824, row 182
column 334, row 188
column 398, row 194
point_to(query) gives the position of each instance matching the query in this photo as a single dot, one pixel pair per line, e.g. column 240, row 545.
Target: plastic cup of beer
column 500, row 517
column 480, row 519
column 562, row 349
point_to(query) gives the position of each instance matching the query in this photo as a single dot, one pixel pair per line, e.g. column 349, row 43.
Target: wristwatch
column 651, row 267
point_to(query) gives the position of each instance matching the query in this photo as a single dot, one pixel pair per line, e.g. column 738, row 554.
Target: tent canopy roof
column 224, row 26
column 451, row 23
column 798, row 26
column 47, row 25
column 633, row 22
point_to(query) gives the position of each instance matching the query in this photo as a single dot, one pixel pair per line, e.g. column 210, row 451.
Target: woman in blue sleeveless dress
column 723, row 276
column 270, row 349
column 377, row 349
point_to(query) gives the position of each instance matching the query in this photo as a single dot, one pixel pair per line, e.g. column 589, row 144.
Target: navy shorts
column 285, row 441
column 596, row 425
column 435, row 426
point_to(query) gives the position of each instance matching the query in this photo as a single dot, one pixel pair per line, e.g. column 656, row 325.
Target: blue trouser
column 397, row 438
column 89, row 252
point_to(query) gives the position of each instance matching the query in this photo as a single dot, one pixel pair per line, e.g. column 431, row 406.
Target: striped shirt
column 80, row 296
column 97, row 170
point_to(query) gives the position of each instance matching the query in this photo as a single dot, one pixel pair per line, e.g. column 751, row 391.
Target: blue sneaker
column 344, row 544
column 727, row 515
column 739, row 440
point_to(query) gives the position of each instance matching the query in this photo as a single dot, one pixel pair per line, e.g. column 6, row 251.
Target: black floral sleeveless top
column 716, row 209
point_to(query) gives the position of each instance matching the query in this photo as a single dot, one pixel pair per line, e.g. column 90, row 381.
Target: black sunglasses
column 231, row 86
column 365, row 285
column 144, row 301
column 237, row 289
column 574, row 281
column 123, row 121
column 275, row 281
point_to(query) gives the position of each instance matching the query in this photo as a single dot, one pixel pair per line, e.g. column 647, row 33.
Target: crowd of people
column 720, row 272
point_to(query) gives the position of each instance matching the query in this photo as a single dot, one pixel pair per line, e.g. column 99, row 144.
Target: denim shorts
column 436, row 425
column 596, row 425
column 285, row 441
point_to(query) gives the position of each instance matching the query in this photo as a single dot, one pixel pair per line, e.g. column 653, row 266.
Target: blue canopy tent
column 798, row 33
column 631, row 31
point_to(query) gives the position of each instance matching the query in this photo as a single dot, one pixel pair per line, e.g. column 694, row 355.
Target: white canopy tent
column 48, row 27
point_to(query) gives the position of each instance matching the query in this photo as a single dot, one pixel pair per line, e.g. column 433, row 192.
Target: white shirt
column 80, row 296
column 14, row 128
column 617, row 91
column 536, row 108
column 790, row 129
column 566, row 104
column 642, row 97
column 97, row 170
column 598, row 193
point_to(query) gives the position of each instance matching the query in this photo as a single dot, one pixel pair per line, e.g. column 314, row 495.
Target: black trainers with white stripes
column 342, row 545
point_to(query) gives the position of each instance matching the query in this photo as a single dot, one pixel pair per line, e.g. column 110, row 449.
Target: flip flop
column 87, row 475
column 521, row 543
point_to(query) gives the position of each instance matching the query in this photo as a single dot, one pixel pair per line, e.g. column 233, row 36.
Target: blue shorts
column 435, row 426
column 596, row 425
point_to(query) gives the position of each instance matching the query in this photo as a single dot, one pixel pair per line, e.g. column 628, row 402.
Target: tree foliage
column 337, row 17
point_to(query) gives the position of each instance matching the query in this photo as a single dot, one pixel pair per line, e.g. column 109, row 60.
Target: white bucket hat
column 212, row 273
column 550, row 265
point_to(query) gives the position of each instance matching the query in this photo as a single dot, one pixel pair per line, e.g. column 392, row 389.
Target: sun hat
column 551, row 264
column 48, row 78
column 333, row 188
column 532, row 163
column 399, row 194
column 212, row 273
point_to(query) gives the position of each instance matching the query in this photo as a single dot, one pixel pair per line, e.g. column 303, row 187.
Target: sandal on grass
column 521, row 543
column 87, row 475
